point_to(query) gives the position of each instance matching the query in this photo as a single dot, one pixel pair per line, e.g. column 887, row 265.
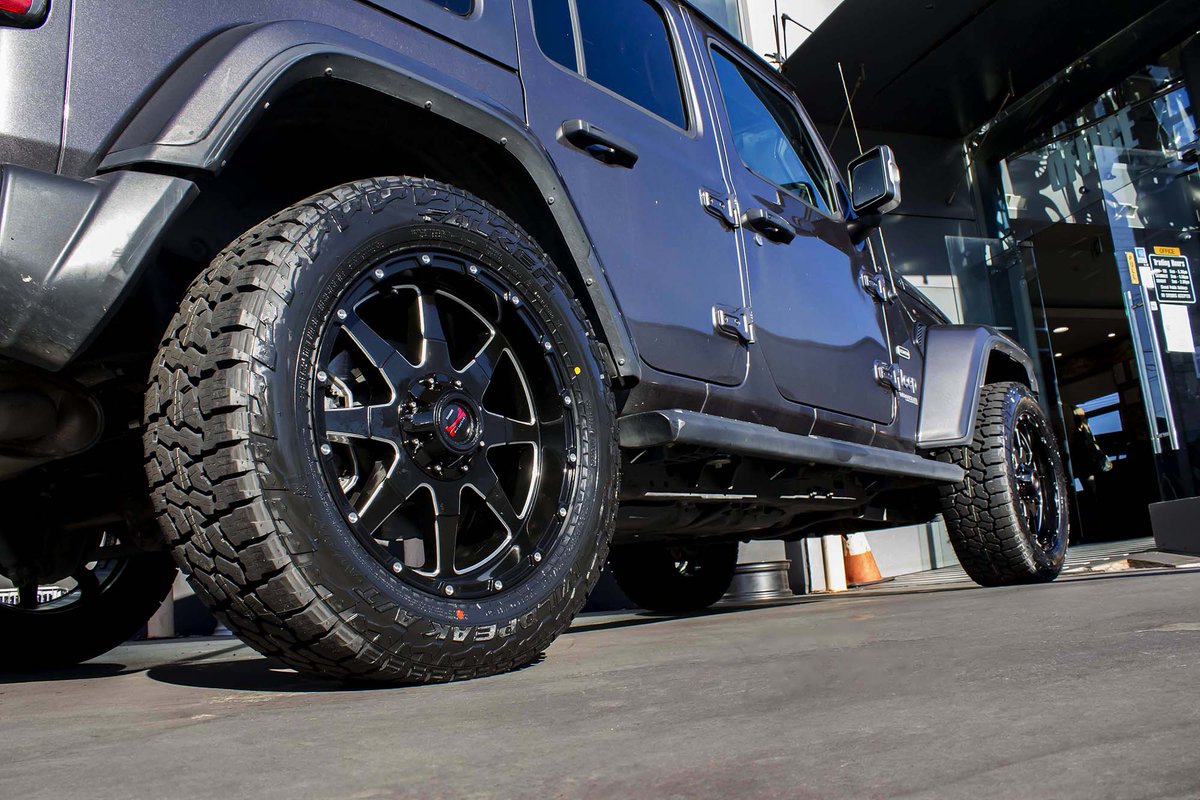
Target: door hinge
column 737, row 323
column 893, row 377
column 723, row 208
column 876, row 284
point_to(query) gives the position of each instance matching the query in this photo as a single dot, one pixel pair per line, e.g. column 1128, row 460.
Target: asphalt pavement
column 1085, row 688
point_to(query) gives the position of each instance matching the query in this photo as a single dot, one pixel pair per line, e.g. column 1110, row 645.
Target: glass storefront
column 1093, row 267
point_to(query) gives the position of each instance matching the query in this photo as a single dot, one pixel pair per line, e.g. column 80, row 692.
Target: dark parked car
column 393, row 425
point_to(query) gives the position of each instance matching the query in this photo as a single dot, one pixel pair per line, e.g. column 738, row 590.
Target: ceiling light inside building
column 1058, row 355
column 1112, row 336
column 1061, row 329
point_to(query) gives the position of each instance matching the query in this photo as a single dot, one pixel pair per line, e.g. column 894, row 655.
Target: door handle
column 599, row 144
column 770, row 225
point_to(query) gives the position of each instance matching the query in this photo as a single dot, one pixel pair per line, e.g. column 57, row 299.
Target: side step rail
column 656, row 428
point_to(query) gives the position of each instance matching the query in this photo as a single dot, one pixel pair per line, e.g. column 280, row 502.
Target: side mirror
column 874, row 182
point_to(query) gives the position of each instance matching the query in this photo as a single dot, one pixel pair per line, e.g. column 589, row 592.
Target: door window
column 626, row 49
column 769, row 135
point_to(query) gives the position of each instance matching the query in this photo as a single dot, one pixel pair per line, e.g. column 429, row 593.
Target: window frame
column 836, row 211
column 683, row 76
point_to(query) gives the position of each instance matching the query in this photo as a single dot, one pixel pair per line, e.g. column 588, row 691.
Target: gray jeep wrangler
column 390, row 322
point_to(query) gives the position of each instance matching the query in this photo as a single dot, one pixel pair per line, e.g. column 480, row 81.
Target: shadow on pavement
column 81, row 672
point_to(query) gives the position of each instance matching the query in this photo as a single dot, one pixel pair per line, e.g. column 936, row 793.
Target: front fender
column 957, row 358
column 198, row 116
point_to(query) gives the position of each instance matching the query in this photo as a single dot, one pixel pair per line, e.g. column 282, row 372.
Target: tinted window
column 463, row 7
column 626, row 48
column 552, row 22
column 769, row 135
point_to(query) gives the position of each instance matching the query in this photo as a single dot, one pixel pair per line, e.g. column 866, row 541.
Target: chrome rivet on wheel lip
column 571, row 457
column 566, row 399
column 397, row 568
column 562, row 512
column 378, row 274
column 482, row 445
column 548, row 345
column 426, row 260
column 322, row 377
column 498, row 585
column 458, row 384
column 353, row 518
column 537, row 558
column 341, row 314
column 474, row 270
column 516, row 301
column 326, row 449
column 449, row 591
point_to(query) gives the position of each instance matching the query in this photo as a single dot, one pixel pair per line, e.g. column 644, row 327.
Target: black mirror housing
column 874, row 182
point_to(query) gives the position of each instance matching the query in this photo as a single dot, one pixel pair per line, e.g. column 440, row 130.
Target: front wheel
column 1008, row 518
column 674, row 579
column 380, row 439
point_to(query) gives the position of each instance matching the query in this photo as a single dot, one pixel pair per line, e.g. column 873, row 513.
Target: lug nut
column 341, row 314
column 353, row 518
column 449, row 591
column 537, row 558
column 498, row 585
column 326, row 449
column 397, row 568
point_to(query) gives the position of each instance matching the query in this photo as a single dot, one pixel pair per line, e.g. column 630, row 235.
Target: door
column 609, row 90
column 821, row 332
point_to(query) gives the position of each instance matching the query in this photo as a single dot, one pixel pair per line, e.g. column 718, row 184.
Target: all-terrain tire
column 59, row 636
column 674, row 579
column 238, row 480
column 987, row 523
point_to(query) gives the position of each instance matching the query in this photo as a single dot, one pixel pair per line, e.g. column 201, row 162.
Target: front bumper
column 70, row 250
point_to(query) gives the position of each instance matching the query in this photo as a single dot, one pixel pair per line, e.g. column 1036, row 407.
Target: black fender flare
column 199, row 115
column 957, row 360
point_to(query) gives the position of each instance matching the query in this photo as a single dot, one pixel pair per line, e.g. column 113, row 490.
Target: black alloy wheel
column 1008, row 518
column 380, row 439
column 446, row 430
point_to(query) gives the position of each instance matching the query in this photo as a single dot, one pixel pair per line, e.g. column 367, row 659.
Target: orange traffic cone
column 860, row 563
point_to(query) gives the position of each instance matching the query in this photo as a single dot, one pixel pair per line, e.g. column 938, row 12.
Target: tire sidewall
column 302, row 503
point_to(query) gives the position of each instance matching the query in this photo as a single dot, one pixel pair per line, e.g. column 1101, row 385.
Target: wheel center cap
column 458, row 423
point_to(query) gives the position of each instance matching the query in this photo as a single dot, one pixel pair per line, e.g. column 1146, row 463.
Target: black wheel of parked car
column 380, row 439
column 1008, row 519
column 76, row 595
column 674, row 578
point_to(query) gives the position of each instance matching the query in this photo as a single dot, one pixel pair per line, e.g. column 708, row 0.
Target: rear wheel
column 74, row 595
column 380, row 440
column 674, row 578
column 1008, row 519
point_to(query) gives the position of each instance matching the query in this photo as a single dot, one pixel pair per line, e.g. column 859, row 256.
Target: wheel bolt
column 465, row 467
column 322, row 377
column 378, row 274
column 458, row 384
column 449, row 591
column 326, row 449
column 537, row 558
column 425, row 260
column 562, row 512
column 341, row 314
column 483, row 445
column 498, row 585
column 353, row 518
column 397, row 568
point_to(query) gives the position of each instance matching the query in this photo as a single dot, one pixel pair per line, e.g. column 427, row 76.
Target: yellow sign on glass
column 1167, row 251
column 1133, row 271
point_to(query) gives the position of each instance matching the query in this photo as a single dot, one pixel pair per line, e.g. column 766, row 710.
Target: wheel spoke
column 388, row 496
column 447, row 544
column 27, row 597
column 498, row 430
column 478, row 374
column 378, row 350
column 348, row 423
column 500, row 504
column 89, row 585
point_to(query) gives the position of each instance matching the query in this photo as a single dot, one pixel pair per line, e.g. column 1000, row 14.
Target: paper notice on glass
column 1177, row 328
